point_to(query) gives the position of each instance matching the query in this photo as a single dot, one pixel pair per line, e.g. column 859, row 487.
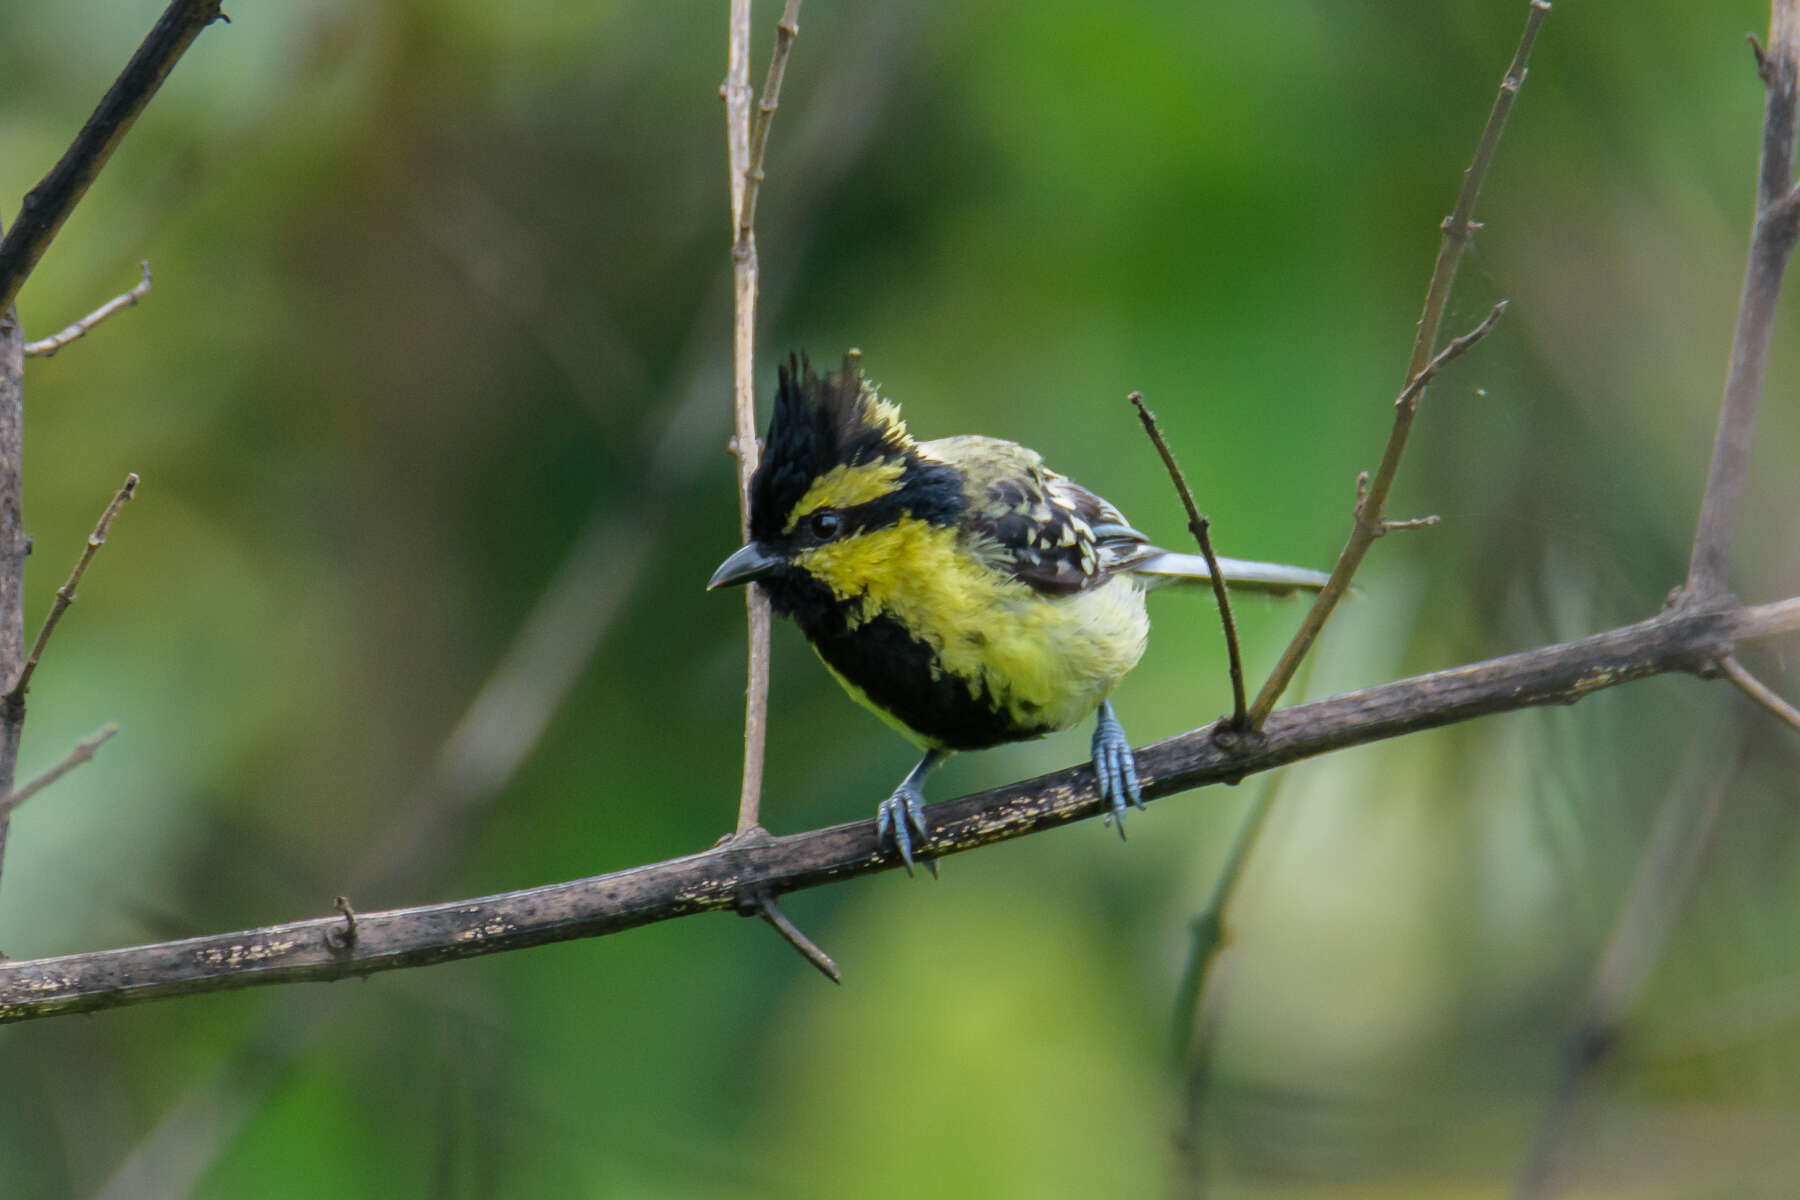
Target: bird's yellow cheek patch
column 846, row 487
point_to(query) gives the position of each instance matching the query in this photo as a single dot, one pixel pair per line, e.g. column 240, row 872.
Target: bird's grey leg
column 903, row 813
column 1114, row 766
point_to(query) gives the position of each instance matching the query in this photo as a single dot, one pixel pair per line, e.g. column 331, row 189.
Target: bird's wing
column 1036, row 525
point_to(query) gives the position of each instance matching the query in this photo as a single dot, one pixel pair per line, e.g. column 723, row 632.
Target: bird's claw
column 1115, row 768
column 898, row 818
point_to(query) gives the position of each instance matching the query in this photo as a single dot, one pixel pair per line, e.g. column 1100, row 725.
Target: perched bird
column 959, row 588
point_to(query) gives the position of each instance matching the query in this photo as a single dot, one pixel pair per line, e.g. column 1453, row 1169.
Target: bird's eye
column 824, row 525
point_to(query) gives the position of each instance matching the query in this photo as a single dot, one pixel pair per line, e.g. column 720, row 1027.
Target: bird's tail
column 1165, row 566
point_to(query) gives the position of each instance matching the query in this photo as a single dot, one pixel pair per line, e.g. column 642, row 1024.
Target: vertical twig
column 743, row 367
column 1771, row 243
column 14, row 546
column 1199, row 526
column 746, row 147
column 1369, row 523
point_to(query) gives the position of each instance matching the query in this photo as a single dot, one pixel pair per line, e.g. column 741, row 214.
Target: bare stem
column 49, row 203
column 1369, row 522
column 1760, row 692
column 786, row 30
column 83, row 751
column 743, row 363
column 65, row 595
column 1771, row 243
column 50, row 345
column 1200, row 527
column 1457, row 229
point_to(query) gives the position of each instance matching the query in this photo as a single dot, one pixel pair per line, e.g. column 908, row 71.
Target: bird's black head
column 838, row 463
column 820, row 425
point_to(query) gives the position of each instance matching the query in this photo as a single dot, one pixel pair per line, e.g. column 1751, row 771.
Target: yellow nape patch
column 846, row 487
column 1046, row 663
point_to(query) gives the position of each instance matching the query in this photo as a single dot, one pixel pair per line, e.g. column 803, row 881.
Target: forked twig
column 65, row 595
column 83, row 751
column 1457, row 230
column 50, row 345
column 1200, row 527
column 786, row 30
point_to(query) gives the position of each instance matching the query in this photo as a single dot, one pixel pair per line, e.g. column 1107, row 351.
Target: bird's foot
column 899, row 817
column 1114, row 767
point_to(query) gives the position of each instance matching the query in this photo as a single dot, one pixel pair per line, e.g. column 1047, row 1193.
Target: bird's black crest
column 819, row 424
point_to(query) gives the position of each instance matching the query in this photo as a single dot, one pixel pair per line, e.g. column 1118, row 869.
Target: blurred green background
column 430, row 402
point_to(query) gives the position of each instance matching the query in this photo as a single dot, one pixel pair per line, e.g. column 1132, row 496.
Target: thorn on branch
column 762, row 904
column 1762, row 59
column 345, row 938
column 1759, row 692
column 50, row 345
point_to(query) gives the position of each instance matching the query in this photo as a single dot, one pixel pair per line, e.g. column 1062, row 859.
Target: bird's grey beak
column 751, row 562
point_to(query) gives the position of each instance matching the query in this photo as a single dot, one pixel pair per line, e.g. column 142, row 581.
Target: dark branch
column 1771, row 243
column 1200, row 527
column 716, row 880
column 49, row 204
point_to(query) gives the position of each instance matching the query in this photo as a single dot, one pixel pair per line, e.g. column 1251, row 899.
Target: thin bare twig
column 743, row 364
column 50, row 345
column 1457, row 230
column 718, row 879
column 1759, row 691
column 1388, row 527
column 65, row 595
column 1369, row 523
column 1772, row 241
column 786, row 30
column 83, row 751
column 48, row 204
column 1200, row 527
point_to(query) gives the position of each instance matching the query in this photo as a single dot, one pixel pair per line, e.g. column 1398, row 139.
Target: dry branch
column 65, row 595
column 1771, row 243
column 721, row 878
column 49, row 204
column 1371, row 505
column 47, row 347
